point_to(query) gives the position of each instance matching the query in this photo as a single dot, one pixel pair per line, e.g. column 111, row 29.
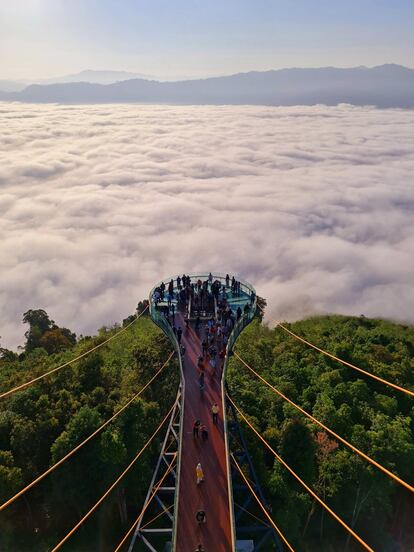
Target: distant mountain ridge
column 96, row 77
column 88, row 75
column 382, row 86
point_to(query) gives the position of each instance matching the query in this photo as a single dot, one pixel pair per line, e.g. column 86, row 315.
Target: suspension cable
column 252, row 515
column 170, row 467
column 72, row 452
column 34, row 380
column 310, row 491
column 95, row 506
column 261, row 505
column 344, row 362
column 326, row 428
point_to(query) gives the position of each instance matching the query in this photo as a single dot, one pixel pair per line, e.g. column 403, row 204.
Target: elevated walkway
column 213, row 496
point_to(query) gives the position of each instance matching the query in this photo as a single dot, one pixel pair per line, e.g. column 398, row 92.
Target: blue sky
column 169, row 38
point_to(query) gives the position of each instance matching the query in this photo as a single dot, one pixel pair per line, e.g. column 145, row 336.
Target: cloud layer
column 312, row 205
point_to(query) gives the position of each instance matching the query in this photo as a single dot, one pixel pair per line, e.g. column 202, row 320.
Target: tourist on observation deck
column 227, row 280
column 178, row 283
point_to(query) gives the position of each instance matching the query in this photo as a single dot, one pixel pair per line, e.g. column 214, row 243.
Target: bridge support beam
column 155, row 528
column 249, row 525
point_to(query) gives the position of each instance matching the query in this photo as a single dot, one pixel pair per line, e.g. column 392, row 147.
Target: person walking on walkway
column 201, row 516
column 196, row 427
column 199, row 474
column 204, row 346
column 214, row 412
column 200, row 548
column 204, row 433
column 179, row 334
column 201, row 381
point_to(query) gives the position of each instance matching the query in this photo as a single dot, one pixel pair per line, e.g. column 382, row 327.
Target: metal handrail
column 238, row 327
column 163, row 323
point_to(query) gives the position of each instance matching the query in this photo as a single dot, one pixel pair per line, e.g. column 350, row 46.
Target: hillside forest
column 41, row 423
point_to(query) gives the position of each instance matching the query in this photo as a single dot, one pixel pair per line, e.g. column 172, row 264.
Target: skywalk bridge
column 204, row 299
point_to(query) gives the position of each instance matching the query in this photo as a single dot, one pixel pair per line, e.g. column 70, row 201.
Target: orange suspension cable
column 261, row 506
column 34, row 380
column 170, row 467
column 326, row 428
column 344, row 362
column 95, row 506
column 72, row 452
column 310, row 491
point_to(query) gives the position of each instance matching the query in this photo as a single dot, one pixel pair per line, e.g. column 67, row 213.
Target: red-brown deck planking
column 212, row 495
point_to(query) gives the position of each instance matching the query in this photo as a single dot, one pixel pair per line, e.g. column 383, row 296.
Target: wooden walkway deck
column 212, row 495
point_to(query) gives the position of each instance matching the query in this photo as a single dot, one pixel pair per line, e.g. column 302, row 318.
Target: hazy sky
column 46, row 38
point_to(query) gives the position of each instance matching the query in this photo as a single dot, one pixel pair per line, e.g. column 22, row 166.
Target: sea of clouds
column 313, row 205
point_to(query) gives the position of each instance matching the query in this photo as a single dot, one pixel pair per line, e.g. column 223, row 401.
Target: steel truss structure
column 248, row 525
column 155, row 527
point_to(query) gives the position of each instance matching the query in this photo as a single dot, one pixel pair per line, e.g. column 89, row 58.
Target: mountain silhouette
column 383, row 86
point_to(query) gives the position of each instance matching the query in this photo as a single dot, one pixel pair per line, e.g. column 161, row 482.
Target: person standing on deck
column 214, row 412
column 199, row 474
column 204, row 433
column 201, row 381
column 227, row 280
column 204, row 347
column 196, row 427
